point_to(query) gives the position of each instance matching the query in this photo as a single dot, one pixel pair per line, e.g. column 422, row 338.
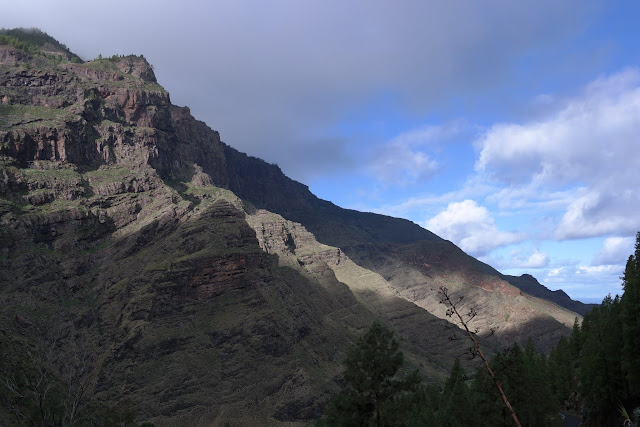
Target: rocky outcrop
column 10, row 55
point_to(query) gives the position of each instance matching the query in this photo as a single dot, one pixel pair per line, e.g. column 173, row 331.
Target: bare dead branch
column 453, row 310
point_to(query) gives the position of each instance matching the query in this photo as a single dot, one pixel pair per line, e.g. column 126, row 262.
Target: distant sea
column 591, row 300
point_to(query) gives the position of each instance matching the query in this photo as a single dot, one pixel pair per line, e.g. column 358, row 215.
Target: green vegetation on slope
column 33, row 115
column 32, row 39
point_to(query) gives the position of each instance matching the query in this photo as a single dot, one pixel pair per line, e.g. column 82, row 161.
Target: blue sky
column 509, row 128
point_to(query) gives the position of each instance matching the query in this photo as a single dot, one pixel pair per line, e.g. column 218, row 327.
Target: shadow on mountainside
column 368, row 239
column 188, row 318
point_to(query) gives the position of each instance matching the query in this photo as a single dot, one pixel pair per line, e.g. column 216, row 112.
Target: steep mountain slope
column 267, row 187
column 142, row 260
column 413, row 260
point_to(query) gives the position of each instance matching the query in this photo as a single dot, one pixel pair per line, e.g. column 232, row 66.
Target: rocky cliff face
column 160, row 267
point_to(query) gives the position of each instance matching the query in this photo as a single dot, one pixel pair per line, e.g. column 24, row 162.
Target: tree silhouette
column 630, row 303
column 373, row 392
column 455, row 399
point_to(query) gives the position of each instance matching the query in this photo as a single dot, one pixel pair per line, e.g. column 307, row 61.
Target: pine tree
column 601, row 357
column 517, row 382
column 488, row 407
column 560, row 367
column 630, row 305
column 373, row 392
column 576, row 341
column 601, row 376
column 524, row 376
column 541, row 405
column 454, row 409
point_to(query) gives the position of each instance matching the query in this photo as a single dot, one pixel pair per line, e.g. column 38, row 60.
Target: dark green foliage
column 600, row 361
column 576, row 341
column 609, row 347
column 600, row 372
column 118, row 58
column 561, row 372
column 32, row 36
column 630, row 308
column 524, row 377
column 31, row 39
column 373, row 392
column 16, row 43
column 488, row 407
column 454, row 408
column 540, row 404
column 515, row 377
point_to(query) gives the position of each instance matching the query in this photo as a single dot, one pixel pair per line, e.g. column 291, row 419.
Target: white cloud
column 404, row 159
column 400, row 164
column 471, row 227
column 430, row 134
column 585, row 283
column 536, row 259
column 599, row 212
column 614, row 251
column 587, row 147
column 517, row 261
column 598, row 127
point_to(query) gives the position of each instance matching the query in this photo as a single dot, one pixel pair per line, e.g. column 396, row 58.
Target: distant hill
column 35, row 41
column 529, row 284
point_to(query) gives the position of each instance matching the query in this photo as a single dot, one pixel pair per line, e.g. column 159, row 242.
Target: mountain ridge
column 186, row 267
column 409, row 232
